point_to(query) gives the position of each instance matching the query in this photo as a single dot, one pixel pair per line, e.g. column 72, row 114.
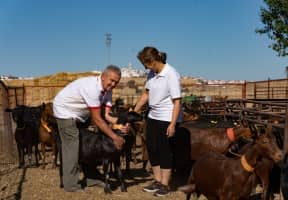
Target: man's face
column 110, row 80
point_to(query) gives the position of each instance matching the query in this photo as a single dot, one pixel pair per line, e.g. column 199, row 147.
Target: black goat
column 27, row 121
column 96, row 148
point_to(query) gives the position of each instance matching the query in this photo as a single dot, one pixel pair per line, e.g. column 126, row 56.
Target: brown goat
column 219, row 177
column 213, row 139
column 192, row 142
column 47, row 133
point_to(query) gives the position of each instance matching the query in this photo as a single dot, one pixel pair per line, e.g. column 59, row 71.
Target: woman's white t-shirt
column 163, row 88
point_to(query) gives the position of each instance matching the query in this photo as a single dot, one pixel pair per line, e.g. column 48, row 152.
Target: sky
column 215, row 40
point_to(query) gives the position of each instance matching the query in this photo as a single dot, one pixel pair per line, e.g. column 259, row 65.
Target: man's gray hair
column 112, row 68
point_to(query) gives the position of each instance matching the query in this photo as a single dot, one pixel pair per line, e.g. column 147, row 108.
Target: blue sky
column 212, row 39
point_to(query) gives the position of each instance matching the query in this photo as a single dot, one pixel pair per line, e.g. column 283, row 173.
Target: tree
column 275, row 18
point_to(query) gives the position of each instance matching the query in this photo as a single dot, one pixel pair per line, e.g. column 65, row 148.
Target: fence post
column 285, row 142
column 285, row 147
column 268, row 85
column 286, row 91
column 244, row 90
column 24, row 95
column 255, row 92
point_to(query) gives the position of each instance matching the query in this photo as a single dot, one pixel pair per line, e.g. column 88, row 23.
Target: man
column 79, row 100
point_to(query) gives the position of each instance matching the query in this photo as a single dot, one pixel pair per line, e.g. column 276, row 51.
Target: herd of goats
column 223, row 159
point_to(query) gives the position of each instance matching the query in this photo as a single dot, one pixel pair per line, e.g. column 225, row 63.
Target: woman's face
column 150, row 65
column 155, row 66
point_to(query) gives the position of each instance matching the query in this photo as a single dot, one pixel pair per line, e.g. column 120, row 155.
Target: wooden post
column 15, row 97
column 286, row 89
column 285, row 142
column 255, row 90
column 24, row 95
column 244, row 90
column 268, row 85
column 285, row 146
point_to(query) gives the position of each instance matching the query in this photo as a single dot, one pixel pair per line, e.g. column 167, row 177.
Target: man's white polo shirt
column 74, row 100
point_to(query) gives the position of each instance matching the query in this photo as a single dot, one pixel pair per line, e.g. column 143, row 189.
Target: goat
column 97, row 148
column 227, row 178
column 192, row 142
column 48, row 133
column 26, row 132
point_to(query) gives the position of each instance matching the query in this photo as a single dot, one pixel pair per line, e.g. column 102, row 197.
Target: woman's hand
column 170, row 130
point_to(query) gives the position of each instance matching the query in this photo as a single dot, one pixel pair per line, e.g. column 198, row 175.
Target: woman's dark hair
column 149, row 54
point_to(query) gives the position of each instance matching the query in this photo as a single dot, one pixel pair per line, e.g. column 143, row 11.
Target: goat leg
column 44, row 155
column 29, row 148
column 120, row 175
column 128, row 158
column 107, row 188
column 37, row 154
column 54, row 155
column 20, row 156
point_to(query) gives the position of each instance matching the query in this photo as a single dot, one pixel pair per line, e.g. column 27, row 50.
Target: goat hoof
column 123, row 190
column 21, row 166
column 61, row 184
column 107, row 190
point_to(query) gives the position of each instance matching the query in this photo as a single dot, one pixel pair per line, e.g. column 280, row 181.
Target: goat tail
column 284, row 178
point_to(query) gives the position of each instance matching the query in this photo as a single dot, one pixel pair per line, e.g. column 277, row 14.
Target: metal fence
column 8, row 153
column 268, row 89
column 32, row 95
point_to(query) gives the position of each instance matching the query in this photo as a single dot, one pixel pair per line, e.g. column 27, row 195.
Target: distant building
column 129, row 71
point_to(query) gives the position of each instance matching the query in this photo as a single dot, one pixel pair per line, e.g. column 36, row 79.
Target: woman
column 163, row 94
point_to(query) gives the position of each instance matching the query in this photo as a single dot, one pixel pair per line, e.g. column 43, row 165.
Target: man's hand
column 118, row 141
column 125, row 129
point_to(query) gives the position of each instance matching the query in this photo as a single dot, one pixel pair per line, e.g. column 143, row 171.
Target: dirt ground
column 35, row 183
column 42, row 184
